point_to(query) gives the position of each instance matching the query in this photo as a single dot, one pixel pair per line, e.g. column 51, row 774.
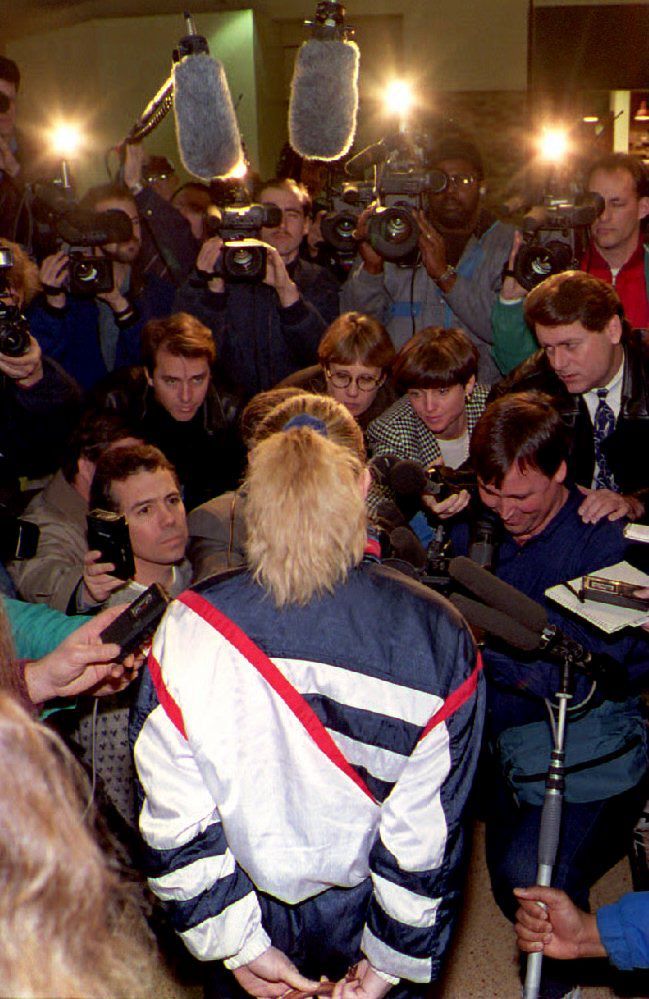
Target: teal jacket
column 37, row 629
column 513, row 340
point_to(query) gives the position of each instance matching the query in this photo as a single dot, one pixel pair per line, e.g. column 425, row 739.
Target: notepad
column 637, row 532
column 606, row 617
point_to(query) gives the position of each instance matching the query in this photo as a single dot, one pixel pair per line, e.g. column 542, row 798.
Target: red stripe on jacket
column 276, row 680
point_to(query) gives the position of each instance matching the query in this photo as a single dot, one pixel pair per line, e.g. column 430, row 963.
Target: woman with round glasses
column 355, row 354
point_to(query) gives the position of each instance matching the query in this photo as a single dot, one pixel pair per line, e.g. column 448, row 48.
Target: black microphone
column 406, row 546
column 206, row 124
column 409, row 478
column 484, row 536
column 529, row 630
column 496, row 623
column 372, row 155
column 380, row 466
column 323, row 103
column 83, row 227
column 503, row 597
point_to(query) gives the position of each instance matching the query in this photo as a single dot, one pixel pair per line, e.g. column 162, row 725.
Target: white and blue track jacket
column 288, row 751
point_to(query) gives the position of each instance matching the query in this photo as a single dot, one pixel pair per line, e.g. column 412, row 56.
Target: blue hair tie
column 306, row 420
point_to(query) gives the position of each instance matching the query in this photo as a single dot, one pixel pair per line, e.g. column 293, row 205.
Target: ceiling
column 22, row 17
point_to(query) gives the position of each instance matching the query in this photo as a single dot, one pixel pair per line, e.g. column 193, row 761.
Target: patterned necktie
column 603, row 426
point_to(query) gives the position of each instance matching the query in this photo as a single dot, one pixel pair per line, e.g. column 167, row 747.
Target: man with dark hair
column 597, row 370
column 616, row 253
column 92, row 334
column 54, row 575
column 462, row 251
column 519, row 451
column 265, row 332
column 178, row 404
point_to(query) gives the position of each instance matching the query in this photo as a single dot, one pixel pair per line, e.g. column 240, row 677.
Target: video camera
column 60, row 218
column 554, row 234
column 14, row 328
column 403, row 184
column 244, row 255
column 344, row 206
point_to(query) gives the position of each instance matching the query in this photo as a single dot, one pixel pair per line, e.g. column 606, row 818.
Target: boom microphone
column 206, row 125
column 503, row 597
column 324, row 91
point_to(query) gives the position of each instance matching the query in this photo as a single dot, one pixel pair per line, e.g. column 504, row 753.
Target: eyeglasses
column 461, row 179
column 342, row 380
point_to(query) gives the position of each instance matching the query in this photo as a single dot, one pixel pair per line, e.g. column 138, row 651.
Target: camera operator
column 519, row 451
column 597, row 370
column 463, row 248
column 94, row 333
column 616, row 253
column 38, row 401
column 169, row 241
column 265, row 330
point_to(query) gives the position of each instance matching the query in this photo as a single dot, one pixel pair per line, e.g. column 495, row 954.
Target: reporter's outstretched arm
column 547, row 920
column 81, row 664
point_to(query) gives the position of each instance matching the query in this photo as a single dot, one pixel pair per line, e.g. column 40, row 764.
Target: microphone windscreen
column 380, row 467
column 388, row 515
column 408, row 478
column 324, row 99
column 407, row 546
column 497, row 594
column 494, row 622
column 206, row 124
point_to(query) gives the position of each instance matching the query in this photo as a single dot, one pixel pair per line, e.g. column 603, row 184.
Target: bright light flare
column 553, row 144
column 66, row 139
column 238, row 172
column 399, row 97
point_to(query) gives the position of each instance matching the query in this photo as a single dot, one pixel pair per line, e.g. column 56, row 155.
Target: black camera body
column 403, row 183
column 108, row 533
column 243, row 258
column 554, row 234
column 136, row 624
column 345, row 206
column 14, row 328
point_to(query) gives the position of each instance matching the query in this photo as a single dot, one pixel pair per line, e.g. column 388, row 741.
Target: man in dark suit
column 597, row 370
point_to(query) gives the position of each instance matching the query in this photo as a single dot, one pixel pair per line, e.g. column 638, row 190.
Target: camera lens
column 85, row 271
column 393, row 232
column 14, row 333
column 338, row 229
column 243, row 261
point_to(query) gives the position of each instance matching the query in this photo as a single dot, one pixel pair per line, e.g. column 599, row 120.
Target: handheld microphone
column 323, row 102
column 380, row 466
column 407, row 547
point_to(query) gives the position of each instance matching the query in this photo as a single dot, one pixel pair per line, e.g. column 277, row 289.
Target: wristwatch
column 448, row 273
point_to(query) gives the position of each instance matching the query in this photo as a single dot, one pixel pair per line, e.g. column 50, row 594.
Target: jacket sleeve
column 512, row 338
column 363, row 292
column 169, row 231
column 53, row 574
column 302, row 326
column 155, row 300
column 416, row 863
column 472, row 298
column 37, row 629
column 211, row 901
column 624, row 930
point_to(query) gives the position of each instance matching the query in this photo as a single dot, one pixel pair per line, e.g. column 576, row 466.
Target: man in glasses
column 462, row 249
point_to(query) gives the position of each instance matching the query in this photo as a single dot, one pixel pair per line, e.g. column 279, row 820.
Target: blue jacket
column 71, row 335
column 624, row 930
column 344, row 758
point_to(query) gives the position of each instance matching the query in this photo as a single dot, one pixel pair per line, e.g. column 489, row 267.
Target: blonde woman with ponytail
column 305, row 741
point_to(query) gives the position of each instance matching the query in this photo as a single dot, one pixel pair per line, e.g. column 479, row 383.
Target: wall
column 104, row 73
